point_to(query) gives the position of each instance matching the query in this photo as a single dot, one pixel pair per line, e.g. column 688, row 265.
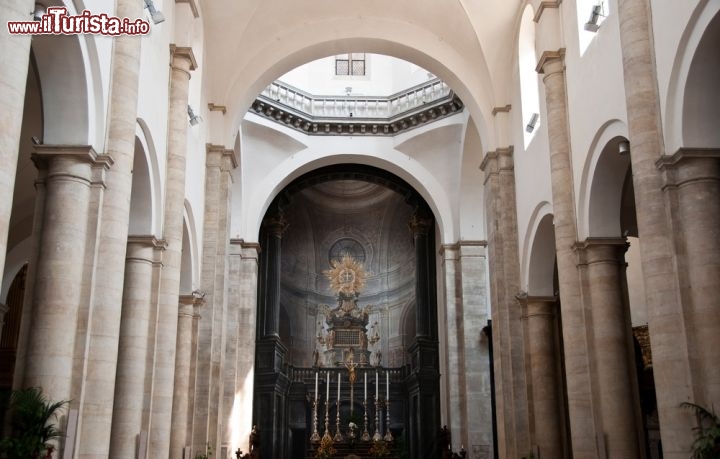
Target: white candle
column 376, row 385
column 387, row 385
column 316, row 386
column 327, row 392
column 338, row 387
column 365, row 398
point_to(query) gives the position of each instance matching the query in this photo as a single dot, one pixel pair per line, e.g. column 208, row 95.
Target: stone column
column 692, row 186
column 424, row 383
column 184, row 350
column 244, row 284
column 132, row 371
column 272, row 384
column 104, row 328
column 576, row 341
column 182, row 62
column 15, row 50
column 505, row 284
column 614, row 354
column 546, row 406
column 672, row 363
column 59, row 285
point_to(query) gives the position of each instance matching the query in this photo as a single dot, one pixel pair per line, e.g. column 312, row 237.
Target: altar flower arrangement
column 326, row 449
column 379, row 449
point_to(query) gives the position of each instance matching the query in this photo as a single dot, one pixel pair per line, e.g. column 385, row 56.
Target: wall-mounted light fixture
column 533, row 121
column 624, row 148
column 593, row 23
column 157, row 16
column 38, row 12
column 194, row 119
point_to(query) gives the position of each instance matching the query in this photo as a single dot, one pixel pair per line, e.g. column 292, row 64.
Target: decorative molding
column 548, row 57
column 183, row 51
column 193, row 6
column 148, row 240
column 544, row 5
column 668, row 161
column 505, row 109
column 499, row 152
column 217, row 108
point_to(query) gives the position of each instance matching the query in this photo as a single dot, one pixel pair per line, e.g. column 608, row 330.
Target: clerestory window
column 350, row 64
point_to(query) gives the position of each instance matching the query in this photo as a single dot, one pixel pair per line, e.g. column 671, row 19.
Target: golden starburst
column 346, row 275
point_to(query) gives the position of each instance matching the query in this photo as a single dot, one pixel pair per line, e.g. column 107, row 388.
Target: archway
column 350, row 218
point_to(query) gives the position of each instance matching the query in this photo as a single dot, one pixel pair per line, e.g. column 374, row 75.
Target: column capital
column 219, row 156
column 193, row 6
column 276, row 224
column 420, row 224
column 147, row 241
column 551, row 62
column 689, row 164
column 182, row 58
column 545, row 4
column 196, row 298
column 43, row 154
column 600, row 249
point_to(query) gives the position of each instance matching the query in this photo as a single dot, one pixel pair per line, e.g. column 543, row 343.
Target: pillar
column 243, row 291
column 424, row 382
column 675, row 375
column 691, row 180
column 604, row 262
column 505, row 284
column 209, row 390
column 143, row 254
column 542, row 351
column 15, row 50
column 59, row 286
column 575, row 337
column 182, row 61
column 271, row 383
column 187, row 308
column 104, row 326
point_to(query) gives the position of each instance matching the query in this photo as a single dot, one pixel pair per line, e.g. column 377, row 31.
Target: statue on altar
column 346, row 330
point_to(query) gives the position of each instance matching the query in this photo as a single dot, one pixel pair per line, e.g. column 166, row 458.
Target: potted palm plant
column 33, row 425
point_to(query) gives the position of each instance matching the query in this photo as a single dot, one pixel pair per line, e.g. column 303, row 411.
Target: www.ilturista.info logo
column 56, row 21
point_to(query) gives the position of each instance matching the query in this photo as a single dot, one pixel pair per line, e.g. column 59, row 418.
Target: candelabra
column 388, row 434
column 376, row 435
column 338, row 435
column 315, row 436
column 366, row 434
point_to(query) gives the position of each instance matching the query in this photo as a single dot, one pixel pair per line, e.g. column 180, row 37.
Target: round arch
column 691, row 114
column 390, row 160
column 379, row 35
column 601, row 185
column 539, row 253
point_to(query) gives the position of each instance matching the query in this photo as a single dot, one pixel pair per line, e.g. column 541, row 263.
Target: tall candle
column 338, row 386
column 327, row 392
column 365, row 398
column 387, row 385
column 376, row 385
column 316, row 386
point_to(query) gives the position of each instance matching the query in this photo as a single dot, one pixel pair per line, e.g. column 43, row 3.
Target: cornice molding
column 548, row 57
column 217, row 108
column 505, row 109
column 545, row 5
column 193, row 6
column 348, row 126
column 183, row 51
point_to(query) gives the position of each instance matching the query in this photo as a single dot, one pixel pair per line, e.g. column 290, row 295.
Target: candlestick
column 338, row 435
column 388, row 434
column 376, row 385
column 327, row 391
column 315, row 436
column 387, row 384
column 376, row 435
column 326, row 435
column 316, row 386
column 338, row 387
column 366, row 434
column 365, row 396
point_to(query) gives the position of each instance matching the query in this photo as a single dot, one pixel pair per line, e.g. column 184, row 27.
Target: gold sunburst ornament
column 346, row 276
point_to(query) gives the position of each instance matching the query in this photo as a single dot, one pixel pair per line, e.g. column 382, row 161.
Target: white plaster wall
column 428, row 158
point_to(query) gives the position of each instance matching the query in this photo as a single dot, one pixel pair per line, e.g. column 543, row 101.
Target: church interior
column 276, row 229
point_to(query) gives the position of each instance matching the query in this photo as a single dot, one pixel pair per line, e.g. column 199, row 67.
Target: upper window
column 590, row 14
column 350, row 64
